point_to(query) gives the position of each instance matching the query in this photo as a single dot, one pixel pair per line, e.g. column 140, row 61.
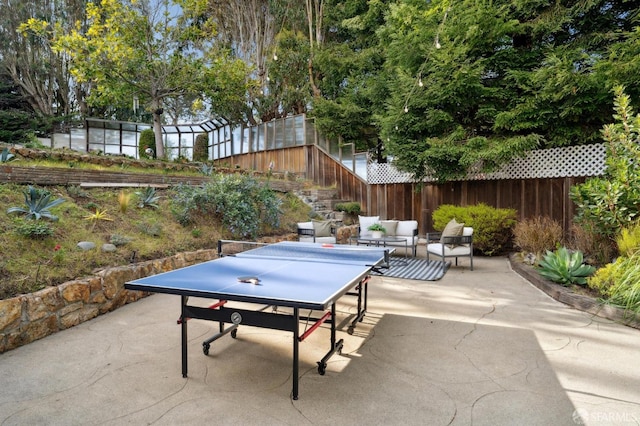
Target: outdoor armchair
column 317, row 232
column 451, row 246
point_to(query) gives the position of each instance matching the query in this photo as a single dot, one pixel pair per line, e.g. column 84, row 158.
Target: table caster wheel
column 205, row 348
column 350, row 329
column 234, row 333
column 322, row 368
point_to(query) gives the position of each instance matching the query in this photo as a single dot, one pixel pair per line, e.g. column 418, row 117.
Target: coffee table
column 380, row 242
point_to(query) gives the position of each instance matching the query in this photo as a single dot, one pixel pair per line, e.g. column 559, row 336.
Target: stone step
column 322, row 201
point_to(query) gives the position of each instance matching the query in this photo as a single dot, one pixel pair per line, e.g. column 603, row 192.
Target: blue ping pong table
column 291, row 275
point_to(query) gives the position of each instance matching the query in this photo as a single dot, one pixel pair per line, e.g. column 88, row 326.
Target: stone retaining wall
column 30, row 317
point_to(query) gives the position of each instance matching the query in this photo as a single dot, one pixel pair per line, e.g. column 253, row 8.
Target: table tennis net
column 305, row 252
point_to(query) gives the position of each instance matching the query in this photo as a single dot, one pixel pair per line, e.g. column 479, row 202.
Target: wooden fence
column 403, row 201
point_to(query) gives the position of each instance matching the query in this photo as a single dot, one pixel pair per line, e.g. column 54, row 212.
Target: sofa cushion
column 438, row 249
column 390, row 226
column 322, row 228
column 406, row 228
column 365, row 222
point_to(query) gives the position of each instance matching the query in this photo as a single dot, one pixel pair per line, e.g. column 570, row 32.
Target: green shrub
column 201, row 148
column 537, row 235
column 604, row 278
column 15, row 126
column 76, row 191
column 629, row 240
column 92, row 206
column 34, row 229
column 119, row 240
column 147, row 141
column 492, row 228
column 619, row 282
column 242, row 203
column 565, row 267
column 352, row 208
column 608, row 203
column 150, row 229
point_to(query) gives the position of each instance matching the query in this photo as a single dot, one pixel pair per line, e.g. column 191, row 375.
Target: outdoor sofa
column 404, row 230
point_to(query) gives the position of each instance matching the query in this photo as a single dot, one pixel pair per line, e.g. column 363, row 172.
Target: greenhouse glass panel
column 280, row 131
column 171, row 140
column 361, row 165
column 112, row 138
column 244, row 138
column 334, row 149
column 236, row 139
column 254, row 139
column 269, row 135
column 129, row 139
column 131, row 151
column 310, row 136
column 259, row 133
column 95, row 136
column 61, row 140
column 298, row 123
column 113, row 125
column 172, row 153
column 112, row 149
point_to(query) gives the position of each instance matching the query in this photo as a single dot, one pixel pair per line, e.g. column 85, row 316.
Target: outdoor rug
column 415, row 269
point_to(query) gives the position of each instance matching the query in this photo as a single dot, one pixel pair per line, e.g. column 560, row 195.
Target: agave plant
column 206, row 169
column 38, row 204
column 148, row 197
column 565, row 267
column 5, row 156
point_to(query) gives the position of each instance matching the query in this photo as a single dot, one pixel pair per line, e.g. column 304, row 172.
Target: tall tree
column 41, row 74
column 248, row 28
column 472, row 84
column 315, row 22
column 450, row 64
column 349, row 72
column 152, row 50
column 253, row 31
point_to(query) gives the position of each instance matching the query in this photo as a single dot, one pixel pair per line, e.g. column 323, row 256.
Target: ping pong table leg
column 366, row 292
column 335, row 346
column 183, row 325
column 296, row 332
column 362, row 304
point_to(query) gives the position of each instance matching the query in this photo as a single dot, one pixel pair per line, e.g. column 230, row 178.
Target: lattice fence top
column 572, row 161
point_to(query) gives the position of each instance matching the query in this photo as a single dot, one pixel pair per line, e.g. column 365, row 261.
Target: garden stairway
column 321, row 201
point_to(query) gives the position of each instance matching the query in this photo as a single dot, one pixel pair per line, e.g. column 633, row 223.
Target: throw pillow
column 391, row 227
column 453, row 229
column 322, row 228
column 365, row 222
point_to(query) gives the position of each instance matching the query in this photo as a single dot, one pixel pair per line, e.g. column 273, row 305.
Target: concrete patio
column 475, row 348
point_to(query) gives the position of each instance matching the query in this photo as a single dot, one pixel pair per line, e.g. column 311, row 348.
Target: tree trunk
column 315, row 12
column 156, row 105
